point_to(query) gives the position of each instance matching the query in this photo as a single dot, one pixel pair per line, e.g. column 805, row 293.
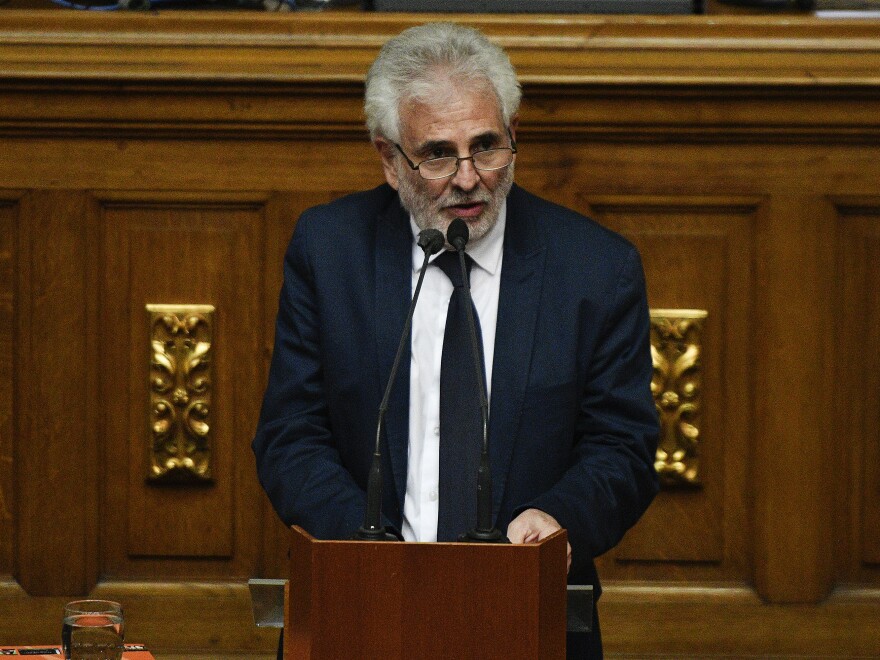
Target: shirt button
column 437, row 431
column 432, row 496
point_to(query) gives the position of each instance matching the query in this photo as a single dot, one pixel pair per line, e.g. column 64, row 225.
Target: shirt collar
column 486, row 252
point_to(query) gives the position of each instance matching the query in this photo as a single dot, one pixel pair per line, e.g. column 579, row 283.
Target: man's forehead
column 451, row 118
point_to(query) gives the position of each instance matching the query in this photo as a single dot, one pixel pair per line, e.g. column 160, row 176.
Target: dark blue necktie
column 461, row 427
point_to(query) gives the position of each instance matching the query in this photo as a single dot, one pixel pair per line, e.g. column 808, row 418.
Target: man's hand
column 531, row 526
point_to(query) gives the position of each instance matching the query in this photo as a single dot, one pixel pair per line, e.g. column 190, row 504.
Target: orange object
column 48, row 652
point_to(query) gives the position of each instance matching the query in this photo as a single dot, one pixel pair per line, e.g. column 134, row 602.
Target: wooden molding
column 338, row 46
column 188, row 74
column 642, row 620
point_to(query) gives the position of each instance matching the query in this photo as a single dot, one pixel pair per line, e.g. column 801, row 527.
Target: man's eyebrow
column 430, row 145
column 488, row 136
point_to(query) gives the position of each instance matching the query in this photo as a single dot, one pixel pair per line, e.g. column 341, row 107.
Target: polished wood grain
column 57, row 468
column 165, row 158
column 705, row 622
column 180, row 249
column 857, row 221
column 8, row 250
column 193, row 617
column 444, row 599
column 696, row 251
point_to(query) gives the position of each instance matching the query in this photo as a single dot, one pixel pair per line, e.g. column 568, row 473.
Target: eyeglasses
column 486, row 161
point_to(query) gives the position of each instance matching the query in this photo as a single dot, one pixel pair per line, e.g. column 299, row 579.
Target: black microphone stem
column 383, row 407
column 372, row 529
column 485, row 531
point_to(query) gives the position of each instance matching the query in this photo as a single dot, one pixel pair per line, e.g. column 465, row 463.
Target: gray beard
column 426, row 212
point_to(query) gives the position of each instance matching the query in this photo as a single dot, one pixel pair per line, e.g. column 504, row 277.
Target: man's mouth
column 469, row 210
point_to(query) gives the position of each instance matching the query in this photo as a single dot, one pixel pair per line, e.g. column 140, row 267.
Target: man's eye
column 438, row 153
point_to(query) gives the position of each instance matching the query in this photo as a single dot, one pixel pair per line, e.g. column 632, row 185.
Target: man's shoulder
column 346, row 223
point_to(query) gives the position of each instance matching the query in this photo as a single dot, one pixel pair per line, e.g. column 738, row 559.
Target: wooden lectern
column 364, row 600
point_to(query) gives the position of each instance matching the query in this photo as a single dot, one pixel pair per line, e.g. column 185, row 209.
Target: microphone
column 431, row 241
column 485, row 532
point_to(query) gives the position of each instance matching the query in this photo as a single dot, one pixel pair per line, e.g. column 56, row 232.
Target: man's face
column 467, row 120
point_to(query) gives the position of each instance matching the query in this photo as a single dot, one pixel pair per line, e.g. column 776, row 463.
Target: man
column 561, row 311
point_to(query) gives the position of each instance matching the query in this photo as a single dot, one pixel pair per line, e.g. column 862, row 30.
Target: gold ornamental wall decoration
column 676, row 350
column 180, row 393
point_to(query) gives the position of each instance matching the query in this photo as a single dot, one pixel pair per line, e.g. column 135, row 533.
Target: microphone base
column 476, row 535
column 378, row 534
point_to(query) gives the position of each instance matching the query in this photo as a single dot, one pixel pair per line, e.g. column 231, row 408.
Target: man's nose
column 467, row 177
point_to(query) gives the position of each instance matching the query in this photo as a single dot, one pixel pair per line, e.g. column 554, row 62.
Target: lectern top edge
column 296, row 530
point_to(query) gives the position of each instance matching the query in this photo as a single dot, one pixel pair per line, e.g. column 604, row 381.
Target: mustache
column 456, row 197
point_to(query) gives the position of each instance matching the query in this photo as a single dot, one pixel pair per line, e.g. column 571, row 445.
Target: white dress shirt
column 420, row 506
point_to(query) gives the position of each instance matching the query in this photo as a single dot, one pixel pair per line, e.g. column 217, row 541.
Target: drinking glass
column 93, row 630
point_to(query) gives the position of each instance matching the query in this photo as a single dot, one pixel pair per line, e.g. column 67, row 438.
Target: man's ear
column 514, row 122
column 387, row 153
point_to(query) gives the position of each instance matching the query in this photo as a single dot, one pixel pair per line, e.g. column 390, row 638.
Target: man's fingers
column 533, row 525
column 530, row 526
column 518, row 531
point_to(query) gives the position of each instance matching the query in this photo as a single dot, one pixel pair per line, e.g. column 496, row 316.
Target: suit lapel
column 393, row 289
column 521, row 278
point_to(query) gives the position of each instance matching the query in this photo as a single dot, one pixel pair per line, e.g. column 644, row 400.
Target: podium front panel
column 354, row 599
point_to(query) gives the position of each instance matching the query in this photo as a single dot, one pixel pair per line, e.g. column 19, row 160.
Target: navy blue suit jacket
column 573, row 427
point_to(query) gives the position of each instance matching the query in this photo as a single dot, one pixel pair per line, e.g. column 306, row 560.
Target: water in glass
column 92, row 632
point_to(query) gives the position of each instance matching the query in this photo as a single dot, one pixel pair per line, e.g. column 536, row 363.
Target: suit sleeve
column 612, row 479
column 298, row 462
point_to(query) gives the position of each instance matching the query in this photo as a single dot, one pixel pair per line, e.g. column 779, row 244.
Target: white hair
column 414, row 65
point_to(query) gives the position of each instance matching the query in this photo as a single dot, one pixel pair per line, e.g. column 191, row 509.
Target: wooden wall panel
column 178, row 249
column 792, row 376
column 870, row 502
column 858, row 335
column 697, row 254
column 774, row 431
column 8, row 232
column 57, row 468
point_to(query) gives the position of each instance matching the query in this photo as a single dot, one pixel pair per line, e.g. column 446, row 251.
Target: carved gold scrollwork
column 180, row 393
column 676, row 351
